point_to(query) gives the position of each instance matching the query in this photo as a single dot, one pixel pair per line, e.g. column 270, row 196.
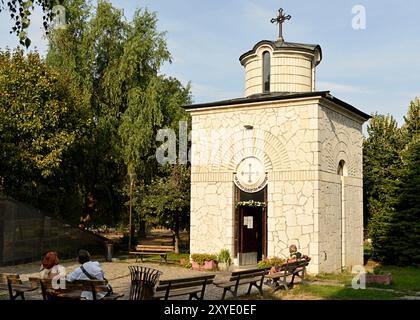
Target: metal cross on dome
column 280, row 19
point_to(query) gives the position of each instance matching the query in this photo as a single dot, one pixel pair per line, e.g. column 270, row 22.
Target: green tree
column 411, row 127
column 114, row 64
column 406, row 219
column 41, row 119
column 166, row 201
column 382, row 162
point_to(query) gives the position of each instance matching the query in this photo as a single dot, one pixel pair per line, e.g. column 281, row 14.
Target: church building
column 280, row 166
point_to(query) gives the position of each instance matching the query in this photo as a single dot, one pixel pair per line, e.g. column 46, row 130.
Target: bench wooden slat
column 72, row 290
column 150, row 250
column 186, row 286
column 155, row 248
column 294, row 269
column 241, row 281
column 253, row 277
column 178, row 292
column 9, row 280
column 183, row 284
column 187, row 280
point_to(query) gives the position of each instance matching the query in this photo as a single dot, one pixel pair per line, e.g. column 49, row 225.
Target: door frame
column 238, row 223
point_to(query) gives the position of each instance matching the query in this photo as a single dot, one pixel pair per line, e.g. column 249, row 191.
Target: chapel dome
column 279, row 66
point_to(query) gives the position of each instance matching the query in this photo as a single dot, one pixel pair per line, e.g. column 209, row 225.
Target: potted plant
column 204, row 261
column 268, row 263
column 224, row 260
column 379, row 277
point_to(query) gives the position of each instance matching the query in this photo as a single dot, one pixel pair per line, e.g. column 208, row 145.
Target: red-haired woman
column 50, row 267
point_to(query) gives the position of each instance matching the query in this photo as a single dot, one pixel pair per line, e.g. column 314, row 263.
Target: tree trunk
column 176, row 231
column 142, row 229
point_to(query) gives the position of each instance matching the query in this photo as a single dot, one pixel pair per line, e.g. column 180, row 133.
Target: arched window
column 342, row 169
column 266, row 71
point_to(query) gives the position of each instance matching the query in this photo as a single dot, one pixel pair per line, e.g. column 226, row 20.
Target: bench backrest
column 10, row 278
column 185, row 282
column 49, row 286
column 289, row 266
column 252, row 273
column 142, row 247
column 192, row 282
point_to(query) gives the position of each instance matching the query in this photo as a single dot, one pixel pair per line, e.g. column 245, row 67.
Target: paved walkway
column 118, row 275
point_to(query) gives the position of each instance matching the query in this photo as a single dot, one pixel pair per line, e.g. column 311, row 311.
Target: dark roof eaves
column 322, row 94
column 311, row 48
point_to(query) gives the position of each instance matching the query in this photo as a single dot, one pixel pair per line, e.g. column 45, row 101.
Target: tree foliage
column 392, row 187
column 40, row 119
column 166, row 201
column 110, row 68
column 115, row 64
column 20, row 12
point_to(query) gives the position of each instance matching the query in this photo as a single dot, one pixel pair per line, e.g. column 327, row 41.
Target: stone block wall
column 301, row 143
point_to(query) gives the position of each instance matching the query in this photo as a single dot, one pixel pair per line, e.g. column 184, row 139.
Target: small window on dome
column 266, row 71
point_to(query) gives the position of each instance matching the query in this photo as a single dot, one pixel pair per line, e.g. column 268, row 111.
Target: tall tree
column 382, row 163
column 41, row 120
column 115, row 64
column 411, row 127
column 406, row 219
column 166, row 201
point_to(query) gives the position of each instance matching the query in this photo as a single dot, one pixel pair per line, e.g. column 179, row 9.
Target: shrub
column 200, row 258
column 377, row 270
column 224, row 256
column 270, row 262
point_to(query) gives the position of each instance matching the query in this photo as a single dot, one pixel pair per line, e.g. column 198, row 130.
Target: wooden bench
column 13, row 284
column 152, row 250
column 195, row 287
column 73, row 290
column 253, row 277
column 294, row 269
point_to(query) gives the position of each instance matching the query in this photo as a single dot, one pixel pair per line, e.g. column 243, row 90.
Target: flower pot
column 210, row 265
column 223, row 266
column 195, row 265
column 384, row 279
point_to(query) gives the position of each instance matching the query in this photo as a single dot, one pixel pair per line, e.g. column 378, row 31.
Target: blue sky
column 376, row 69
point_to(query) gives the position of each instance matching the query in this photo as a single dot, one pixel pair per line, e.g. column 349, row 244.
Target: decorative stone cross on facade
column 250, row 173
column 280, row 19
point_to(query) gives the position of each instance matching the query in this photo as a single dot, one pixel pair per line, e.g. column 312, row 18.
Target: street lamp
column 132, row 177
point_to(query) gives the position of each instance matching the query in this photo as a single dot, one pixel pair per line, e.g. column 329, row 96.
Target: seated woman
column 50, row 268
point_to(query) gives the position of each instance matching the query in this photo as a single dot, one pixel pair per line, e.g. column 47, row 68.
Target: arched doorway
column 250, row 226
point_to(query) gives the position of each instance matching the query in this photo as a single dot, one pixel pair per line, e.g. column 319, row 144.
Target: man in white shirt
column 89, row 270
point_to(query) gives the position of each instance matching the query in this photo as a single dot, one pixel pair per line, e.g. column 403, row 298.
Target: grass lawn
column 405, row 279
column 340, row 293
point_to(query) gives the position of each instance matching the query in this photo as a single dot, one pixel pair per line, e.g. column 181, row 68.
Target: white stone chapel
column 281, row 166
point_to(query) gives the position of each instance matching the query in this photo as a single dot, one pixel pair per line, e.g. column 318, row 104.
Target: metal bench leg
column 260, row 290
column 235, row 292
column 249, row 289
column 224, row 293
